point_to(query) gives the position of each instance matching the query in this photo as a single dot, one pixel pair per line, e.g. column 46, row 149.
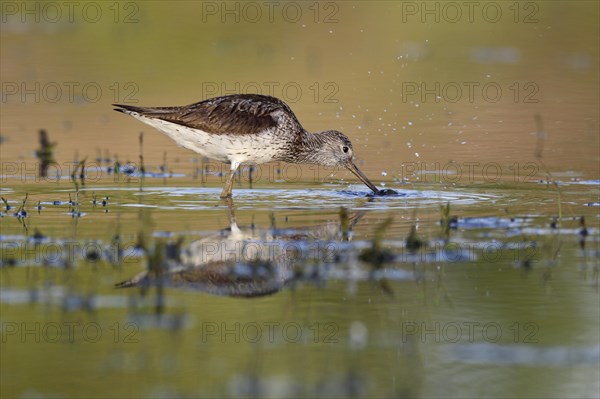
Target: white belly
column 236, row 149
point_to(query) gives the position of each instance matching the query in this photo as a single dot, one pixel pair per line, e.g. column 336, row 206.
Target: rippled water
column 480, row 279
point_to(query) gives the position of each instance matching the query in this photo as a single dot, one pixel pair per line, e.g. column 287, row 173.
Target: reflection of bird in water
column 245, row 262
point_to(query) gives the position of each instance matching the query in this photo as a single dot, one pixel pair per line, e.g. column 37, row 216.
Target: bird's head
column 335, row 149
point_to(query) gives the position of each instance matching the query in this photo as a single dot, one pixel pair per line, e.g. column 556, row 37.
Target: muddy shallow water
column 282, row 294
column 480, row 279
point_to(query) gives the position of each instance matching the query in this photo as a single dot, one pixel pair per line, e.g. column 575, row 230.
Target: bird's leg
column 230, row 211
column 234, row 229
column 226, row 193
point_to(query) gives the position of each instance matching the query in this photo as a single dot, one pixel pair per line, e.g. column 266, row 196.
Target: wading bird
column 248, row 128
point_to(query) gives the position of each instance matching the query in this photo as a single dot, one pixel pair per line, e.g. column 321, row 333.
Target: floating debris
column 95, row 201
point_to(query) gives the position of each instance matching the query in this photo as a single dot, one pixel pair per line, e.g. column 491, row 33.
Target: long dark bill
column 354, row 169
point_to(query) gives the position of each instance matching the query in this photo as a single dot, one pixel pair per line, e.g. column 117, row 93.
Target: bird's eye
column 345, row 149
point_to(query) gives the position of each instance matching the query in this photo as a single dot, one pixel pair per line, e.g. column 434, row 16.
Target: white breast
column 237, row 149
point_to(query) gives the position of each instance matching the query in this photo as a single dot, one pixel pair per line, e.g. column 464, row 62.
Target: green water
column 280, row 293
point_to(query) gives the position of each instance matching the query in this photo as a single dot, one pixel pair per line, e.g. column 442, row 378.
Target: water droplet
column 358, row 335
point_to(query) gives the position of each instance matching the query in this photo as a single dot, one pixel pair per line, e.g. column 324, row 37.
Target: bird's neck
column 305, row 148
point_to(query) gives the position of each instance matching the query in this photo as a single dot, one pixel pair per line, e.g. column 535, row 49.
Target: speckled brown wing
column 233, row 114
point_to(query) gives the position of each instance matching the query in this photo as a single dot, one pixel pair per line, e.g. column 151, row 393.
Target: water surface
column 479, row 280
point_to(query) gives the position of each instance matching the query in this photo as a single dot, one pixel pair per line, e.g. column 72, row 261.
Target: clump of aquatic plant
column 164, row 168
column 95, row 201
column 45, row 154
column 447, row 222
column 539, row 149
column 21, row 212
column 413, row 241
column 74, row 204
column 116, row 168
column 7, row 207
column 376, row 255
column 142, row 168
column 344, row 223
column 80, row 167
